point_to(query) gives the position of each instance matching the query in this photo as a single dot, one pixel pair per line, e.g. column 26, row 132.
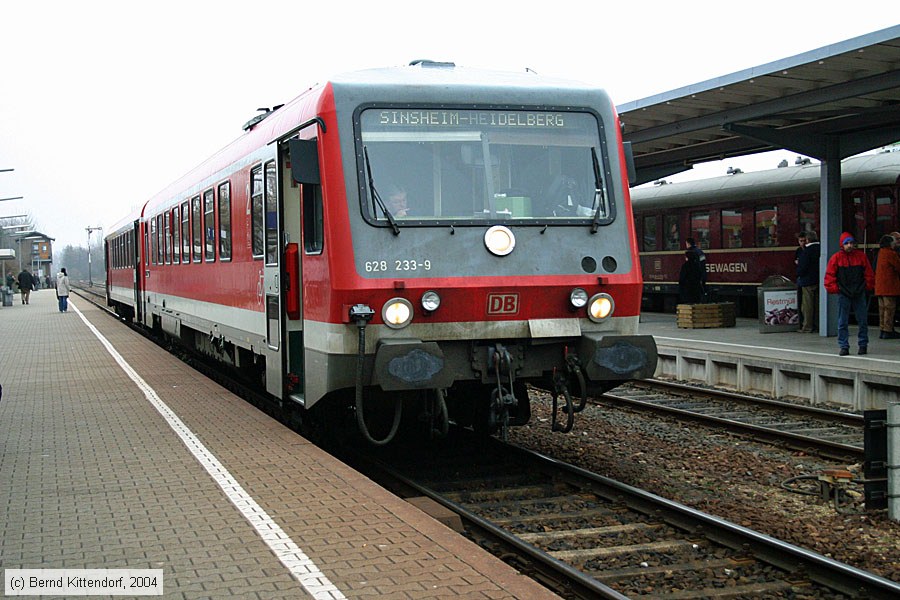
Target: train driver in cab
column 396, row 202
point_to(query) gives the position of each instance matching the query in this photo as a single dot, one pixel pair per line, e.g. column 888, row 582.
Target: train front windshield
column 427, row 166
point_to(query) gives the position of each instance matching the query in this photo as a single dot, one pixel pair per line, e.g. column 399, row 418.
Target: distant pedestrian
column 10, row 282
column 850, row 276
column 26, row 284
column 808, row 281
column 62, row 290
column 887, row 286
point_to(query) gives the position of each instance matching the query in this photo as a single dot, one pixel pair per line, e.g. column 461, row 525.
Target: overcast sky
column 103, row 103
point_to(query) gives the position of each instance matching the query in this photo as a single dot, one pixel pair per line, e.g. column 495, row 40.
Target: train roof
column 860, row 171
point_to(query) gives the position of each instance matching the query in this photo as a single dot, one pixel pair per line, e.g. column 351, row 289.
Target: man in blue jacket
column 808, row 282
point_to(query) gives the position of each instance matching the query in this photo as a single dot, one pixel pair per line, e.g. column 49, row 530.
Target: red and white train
column 402, row 245
column 747, row 224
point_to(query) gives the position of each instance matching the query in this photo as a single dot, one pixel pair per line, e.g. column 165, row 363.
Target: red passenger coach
column 747, row 224
column 401, row 246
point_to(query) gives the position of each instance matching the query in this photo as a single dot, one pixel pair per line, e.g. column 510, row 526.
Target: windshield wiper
column 598, row 190
column 375, row 195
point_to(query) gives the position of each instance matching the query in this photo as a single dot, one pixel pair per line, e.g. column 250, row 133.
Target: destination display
column 466, row 118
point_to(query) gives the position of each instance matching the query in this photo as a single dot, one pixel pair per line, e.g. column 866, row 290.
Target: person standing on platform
column 849, row 275
column 692, row 248
column 690, row 281
column 62, row 290
column 26, row 283
column 887, row 286
column 808, row 282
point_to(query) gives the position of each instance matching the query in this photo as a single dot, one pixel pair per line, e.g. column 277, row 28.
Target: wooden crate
column 700, row 316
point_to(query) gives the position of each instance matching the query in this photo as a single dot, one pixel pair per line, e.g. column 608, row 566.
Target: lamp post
column 90, row 230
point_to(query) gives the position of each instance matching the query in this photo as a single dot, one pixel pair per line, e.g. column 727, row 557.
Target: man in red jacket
column 850, row 276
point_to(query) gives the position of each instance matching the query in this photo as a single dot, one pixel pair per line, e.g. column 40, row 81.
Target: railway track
column 831, row 434
column 587, row 536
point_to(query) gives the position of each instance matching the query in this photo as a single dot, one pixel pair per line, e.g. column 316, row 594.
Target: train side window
column 313, row 225
column 766, row 226
column 271, row 208
column 732, row 230
column 148, row 255
column 700, row 228
column 176, row 237
column 807, row 216
column 209, row 220
column 673, row 237
column 196, row 229
column 185, row 233
column 885, row 214
column 154, row 237
column 256, row 211
column 160, row 249
column 225, row 221
column 649, row 243
column 167, row 236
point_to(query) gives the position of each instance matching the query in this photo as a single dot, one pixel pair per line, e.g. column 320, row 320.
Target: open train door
column 272, row 278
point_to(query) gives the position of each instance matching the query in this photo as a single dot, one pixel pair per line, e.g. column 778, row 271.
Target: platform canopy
column 846, row 94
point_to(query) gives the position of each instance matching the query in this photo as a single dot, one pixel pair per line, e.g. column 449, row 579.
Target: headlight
column 431, row 301
column 578, row 297
column 601, row 307
column 499, row 240
column 397, row 313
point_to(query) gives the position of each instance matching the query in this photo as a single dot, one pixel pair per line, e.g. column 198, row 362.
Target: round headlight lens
column 601, row 307
column 431, row 301
column 397, row 313
column 499, row 240
column 578, row 297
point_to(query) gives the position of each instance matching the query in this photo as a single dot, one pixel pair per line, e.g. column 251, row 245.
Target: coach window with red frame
column 732, row 228
column 766, row 226
column 700, row 229
column 673, row 237
column 225, row 221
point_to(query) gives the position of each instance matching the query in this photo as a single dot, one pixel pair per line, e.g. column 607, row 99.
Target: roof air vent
column 431, row 63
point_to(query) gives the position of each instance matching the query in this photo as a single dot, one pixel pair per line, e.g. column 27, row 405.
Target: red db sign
column 503, row 304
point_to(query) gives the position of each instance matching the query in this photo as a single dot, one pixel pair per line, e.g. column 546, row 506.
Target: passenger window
column 176, row 237
column 885, row 214
column 209, row 220
column 313, row 226
column 732, row 228
column 185, row 232
column 766, row 226
column 649, row 243
column 256, row 211
column 196, row 229
column 700, row 228
column 271, row 214
column 673, row 237
column 167, row 236
column 225, row 222
column 807, row 216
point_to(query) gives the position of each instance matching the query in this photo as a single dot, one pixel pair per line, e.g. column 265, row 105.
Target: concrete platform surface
column 115, row 455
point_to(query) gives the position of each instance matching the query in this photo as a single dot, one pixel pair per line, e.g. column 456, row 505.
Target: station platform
column 788, row 365
column 116, row 455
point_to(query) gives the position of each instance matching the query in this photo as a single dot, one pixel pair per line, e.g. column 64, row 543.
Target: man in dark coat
column 808, row 282
column 690, row 279
column 694, row 250
column 26, row 284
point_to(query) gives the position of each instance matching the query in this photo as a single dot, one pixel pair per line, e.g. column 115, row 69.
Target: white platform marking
column 290, row 555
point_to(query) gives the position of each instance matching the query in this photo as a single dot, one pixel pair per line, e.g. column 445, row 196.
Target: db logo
column 503, row 304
